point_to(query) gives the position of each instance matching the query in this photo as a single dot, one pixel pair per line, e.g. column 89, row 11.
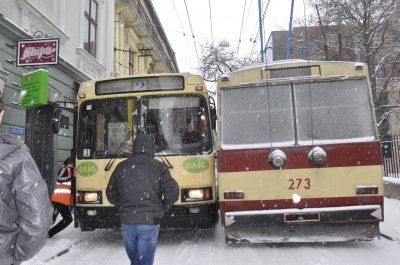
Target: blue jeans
column 140, row 242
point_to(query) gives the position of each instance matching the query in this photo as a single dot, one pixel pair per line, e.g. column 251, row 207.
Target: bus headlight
column 317, row 156
column 196, row 194
column 89, row 197
column 199, row 194
column 277, row 158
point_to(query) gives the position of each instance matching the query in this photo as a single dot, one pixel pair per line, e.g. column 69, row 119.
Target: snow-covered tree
column 370, row 29
column 216, row 60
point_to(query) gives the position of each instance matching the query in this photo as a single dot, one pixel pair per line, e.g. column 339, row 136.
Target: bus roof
column 192, row 83
column 300, row 69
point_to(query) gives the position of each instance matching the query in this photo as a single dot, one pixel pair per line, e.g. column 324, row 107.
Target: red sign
column 37, row 52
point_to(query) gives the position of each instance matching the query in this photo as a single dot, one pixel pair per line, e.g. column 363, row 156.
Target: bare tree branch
column 373, row 28
column 216, row 60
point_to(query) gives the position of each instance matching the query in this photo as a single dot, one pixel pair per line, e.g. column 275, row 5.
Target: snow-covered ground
column 390, row 179
column 203, row 247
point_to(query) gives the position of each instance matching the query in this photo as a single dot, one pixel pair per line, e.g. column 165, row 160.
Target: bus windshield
column 299, row 113
column 331, row 111
column 179, row 124
column 103, row 126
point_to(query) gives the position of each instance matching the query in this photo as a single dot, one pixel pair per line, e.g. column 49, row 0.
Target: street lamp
column 223, row 44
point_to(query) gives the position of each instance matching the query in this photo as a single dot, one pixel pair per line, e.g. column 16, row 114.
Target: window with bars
column 90, row 27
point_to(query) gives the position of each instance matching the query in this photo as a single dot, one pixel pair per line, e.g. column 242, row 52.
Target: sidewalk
column 391, row 187
column 390, row 228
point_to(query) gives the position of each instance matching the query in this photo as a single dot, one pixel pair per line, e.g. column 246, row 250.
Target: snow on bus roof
column 288, row 62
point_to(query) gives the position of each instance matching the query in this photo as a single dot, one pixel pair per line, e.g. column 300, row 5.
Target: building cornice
column 3, row 73
column 144, row 11
column 55, row 31
column 13, row 31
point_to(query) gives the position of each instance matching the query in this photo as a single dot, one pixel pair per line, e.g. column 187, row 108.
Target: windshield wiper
column 119, row 151
column 165, row 160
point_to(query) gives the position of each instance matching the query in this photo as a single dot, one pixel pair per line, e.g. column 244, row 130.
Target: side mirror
column 213, row 114
column 56, row 120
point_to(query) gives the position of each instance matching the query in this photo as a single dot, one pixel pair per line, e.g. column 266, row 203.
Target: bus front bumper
column 331, row 224
column 90, row 218
column 179, row 216
column 193, row 215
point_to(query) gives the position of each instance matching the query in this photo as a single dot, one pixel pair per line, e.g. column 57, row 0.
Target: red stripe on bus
column 339, row 155
column 257, row 205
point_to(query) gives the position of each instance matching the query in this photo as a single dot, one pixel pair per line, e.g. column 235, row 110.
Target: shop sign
column 16, row 130
column 35, row 89
column 37, row 52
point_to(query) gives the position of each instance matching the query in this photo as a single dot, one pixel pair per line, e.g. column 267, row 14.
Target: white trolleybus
column 298, row 153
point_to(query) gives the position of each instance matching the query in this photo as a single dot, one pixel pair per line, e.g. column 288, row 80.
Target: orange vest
column 62, row 193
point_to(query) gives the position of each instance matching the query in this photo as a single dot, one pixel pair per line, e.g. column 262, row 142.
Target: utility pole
column 290, row 32
column 323, row 34
column 261, row 31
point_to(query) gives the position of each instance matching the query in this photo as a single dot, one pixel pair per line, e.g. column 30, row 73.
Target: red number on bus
column 295, row 184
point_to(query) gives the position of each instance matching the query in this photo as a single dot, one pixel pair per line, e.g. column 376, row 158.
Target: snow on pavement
column 200, row 247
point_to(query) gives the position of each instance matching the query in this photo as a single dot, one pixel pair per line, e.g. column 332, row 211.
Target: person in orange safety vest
column 62, row 197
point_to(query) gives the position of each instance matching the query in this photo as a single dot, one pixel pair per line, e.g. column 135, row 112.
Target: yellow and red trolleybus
column 110, row 113
column 298, row 153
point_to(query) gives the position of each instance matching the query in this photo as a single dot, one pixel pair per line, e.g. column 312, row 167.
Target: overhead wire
column 265, row 9
column 211, row 25
column 241, row 28
column 191, row 29
column 183, row 31
column 248, row 13
column 179, row 18
column 196, row 37
column 256, row 32
column 263, row 18
column 210, row 16
column 247, row 18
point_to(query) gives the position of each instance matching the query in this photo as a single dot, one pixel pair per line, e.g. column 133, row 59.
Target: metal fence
column 390, row 155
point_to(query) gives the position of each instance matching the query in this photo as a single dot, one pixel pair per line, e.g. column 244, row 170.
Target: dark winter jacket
column 25, row 208
column 141, row 187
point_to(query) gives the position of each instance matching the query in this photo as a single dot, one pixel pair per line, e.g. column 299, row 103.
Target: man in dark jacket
column 25, row 208
column 142, row 189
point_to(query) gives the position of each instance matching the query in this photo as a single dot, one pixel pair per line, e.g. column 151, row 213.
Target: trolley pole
column 261, row 31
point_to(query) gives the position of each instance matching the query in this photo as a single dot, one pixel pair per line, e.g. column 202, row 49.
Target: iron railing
column 390, row 155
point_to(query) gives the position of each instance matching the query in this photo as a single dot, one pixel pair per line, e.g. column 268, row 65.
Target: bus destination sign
column 144, row 84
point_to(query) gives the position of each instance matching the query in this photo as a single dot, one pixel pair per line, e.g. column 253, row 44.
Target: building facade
column 141, row 45
column 65, row 20
column 97, row 38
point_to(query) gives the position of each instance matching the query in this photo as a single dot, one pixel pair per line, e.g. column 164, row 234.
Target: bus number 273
column 299, row 183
